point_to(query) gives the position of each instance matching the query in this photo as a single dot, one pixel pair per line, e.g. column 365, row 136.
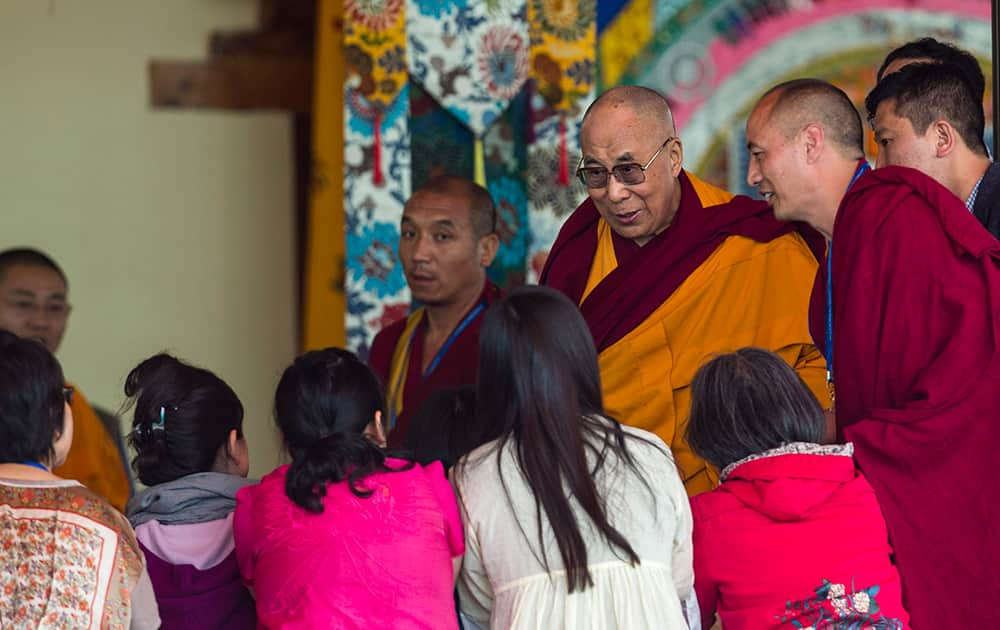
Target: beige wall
column 175, row 227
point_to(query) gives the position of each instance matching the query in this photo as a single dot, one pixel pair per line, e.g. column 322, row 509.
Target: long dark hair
column 183, row 416
column 540, row 387
column 444, row 427
column 747, row 402
column 323, row 403
column 31, row 400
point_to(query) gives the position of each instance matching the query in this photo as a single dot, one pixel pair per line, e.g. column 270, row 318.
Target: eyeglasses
column 28, row 308
column 68, row 394
column 629, row 173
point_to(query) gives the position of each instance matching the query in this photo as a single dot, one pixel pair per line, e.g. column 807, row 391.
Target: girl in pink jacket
column 793, row 537
column 346, row 536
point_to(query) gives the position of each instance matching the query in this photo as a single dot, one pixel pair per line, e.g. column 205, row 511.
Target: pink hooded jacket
column 794, row 538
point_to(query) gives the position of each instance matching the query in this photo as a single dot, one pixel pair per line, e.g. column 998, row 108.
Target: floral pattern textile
column 374, row 48
column 506, row 148
column 512, row 205
column 792, row 448
column 375, row 60
column 834, row 608
column 442, row 144
column 69, row 559
column 563, row 34
column 472, row 57
column 549, row 202
column 374, row 279
column 462, row 67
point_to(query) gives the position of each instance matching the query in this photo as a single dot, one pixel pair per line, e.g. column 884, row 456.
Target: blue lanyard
column 434, row 363
column 452, row 337
column 829, row 286
column 35, row 464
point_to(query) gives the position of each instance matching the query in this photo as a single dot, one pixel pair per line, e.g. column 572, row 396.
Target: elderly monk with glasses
column 669, row 270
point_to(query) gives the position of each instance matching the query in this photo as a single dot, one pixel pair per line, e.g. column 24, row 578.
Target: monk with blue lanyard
column 908, row 306
column 447, row 239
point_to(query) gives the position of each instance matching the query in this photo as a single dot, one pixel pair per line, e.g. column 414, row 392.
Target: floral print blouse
column 67, row 558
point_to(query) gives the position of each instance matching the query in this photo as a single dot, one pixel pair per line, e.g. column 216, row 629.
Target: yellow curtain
column 325, row 303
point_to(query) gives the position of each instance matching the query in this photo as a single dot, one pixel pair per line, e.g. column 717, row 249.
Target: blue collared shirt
column 971, row 201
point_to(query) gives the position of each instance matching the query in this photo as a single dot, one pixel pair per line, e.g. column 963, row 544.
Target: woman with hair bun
column 346, row 536
column 187, row 432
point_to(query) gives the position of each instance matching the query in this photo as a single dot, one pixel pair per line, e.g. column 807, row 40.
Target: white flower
column 841, row 605
column 836, row 590
column 861, row 602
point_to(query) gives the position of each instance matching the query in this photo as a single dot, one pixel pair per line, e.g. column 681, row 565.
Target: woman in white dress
column 571, row 519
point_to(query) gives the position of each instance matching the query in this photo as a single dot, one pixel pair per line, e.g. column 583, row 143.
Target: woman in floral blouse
column 69, row 560
column 793, row 537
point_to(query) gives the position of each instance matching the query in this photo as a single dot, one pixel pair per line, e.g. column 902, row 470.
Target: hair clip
column 161, row 425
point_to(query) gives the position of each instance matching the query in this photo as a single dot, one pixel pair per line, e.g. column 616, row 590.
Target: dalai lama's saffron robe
column 916, row 322
column 397, row 355
column 723, row 276
column 94, row 459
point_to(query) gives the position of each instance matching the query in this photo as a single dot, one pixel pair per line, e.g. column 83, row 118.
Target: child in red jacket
column 793, row 537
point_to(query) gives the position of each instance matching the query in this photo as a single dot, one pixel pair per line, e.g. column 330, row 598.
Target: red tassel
column 377, row 178
column 563, row 154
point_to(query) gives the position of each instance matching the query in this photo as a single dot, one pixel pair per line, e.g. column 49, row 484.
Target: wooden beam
column 270, row 67
column 263, row 43
column 240, row 82
column 296, row 15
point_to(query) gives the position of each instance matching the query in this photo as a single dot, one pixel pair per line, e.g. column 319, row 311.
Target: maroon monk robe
column 640, row 284
column 458, row 366
column 817, row 301
column 916, row 294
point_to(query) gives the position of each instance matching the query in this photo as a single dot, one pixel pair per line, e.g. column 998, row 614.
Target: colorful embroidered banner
column 470, row 55
column 375, row 55
column 506, row 160
column 563, row 34
column 441, row 144
column 377, row 293
column 549, row 203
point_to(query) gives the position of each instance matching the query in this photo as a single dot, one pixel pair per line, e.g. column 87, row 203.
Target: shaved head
column 482, row 210
column 630, row 127
column 649, row 105
column 805, row 143
column 27, row 256
column 796, row 104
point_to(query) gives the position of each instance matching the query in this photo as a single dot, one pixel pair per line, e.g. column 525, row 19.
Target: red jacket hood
column 788, row 487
